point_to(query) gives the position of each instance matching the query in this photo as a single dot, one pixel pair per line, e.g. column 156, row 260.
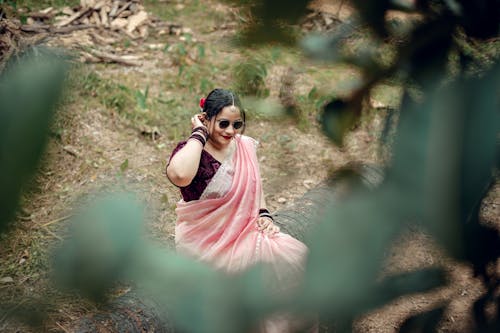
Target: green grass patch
column 39, row 4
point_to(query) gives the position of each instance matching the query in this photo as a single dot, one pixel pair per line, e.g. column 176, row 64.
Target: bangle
column 199, row 137
column 199, row 133
column 202, row 129
column 263, row 212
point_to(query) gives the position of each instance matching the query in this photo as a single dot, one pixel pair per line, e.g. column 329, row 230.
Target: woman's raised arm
column 183, row 166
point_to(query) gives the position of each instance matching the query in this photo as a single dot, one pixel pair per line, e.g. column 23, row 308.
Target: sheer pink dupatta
column 222, row 231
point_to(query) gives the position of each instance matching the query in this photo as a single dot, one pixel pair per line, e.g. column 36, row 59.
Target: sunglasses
column 225, row 124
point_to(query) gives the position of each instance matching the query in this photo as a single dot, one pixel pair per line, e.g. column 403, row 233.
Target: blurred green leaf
column 106, row 246
column 124, row 165
column 338, row 278
column 199, row 299
column 141, row 98
column 313, row 94
column 261, row 34
column 320, row 47
column 426, row 53
column 448, row 177
column 251, row 78
column 273, row 21
column 30, row 87
column 271, row 10
column 328, row 47
column 105, row 238
column 263, row 108
column 478, row 101
column 454, row 6
column 337, row 119
column 201, row 51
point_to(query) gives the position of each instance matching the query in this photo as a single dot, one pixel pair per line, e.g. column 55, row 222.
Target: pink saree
column 220, row 227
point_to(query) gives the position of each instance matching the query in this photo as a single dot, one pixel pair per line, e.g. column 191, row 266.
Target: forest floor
column 102, row 136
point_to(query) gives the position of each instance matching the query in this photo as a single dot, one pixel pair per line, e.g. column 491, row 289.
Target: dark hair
column 218, row 99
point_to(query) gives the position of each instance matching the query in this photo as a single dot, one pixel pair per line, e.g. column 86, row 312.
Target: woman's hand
column 266, row 225
column 196, row 120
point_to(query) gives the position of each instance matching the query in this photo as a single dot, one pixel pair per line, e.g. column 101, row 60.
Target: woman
column 222, row 218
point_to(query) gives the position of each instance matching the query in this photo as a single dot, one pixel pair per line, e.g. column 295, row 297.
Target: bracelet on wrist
column 263, row 212
column 200, row 134
column 199, row 137
column 201, row 129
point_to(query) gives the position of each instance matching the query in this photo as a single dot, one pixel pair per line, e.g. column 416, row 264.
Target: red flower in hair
column 202, row 103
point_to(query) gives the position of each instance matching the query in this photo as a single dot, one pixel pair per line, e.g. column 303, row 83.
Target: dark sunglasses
column 225, row 124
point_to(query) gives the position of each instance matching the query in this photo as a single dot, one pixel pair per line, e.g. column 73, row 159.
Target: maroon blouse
column 207, row 169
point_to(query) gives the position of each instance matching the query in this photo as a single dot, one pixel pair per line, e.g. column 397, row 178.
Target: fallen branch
column 56, row 220
column 41, row 28
column 73, row 17
column 122, row 9
column 109, row 57
column 53, row 234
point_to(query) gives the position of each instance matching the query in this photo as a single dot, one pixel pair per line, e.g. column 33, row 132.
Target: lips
column 227, row 137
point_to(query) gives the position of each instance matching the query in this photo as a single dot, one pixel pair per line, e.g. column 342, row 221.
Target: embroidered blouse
column 207, row 169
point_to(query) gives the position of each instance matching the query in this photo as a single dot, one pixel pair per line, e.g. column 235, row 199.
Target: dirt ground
column 94, row 144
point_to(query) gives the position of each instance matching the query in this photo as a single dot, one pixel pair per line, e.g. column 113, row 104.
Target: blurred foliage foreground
column 444, row 156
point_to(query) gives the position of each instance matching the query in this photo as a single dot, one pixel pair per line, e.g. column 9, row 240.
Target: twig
column 114, row 8
column 41, row 15
column 62, row 327
column 53, row 234
column 57, row 30
column 56, row 220
column 65, row 30
column 70, row 150
column 73, row 17
column 35, row 28
column 121, row 10
column 113, row 58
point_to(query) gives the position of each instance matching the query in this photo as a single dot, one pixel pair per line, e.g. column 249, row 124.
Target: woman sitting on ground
column 222, row 218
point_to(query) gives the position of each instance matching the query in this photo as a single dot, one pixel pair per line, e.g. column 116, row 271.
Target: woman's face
column 222, row 127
